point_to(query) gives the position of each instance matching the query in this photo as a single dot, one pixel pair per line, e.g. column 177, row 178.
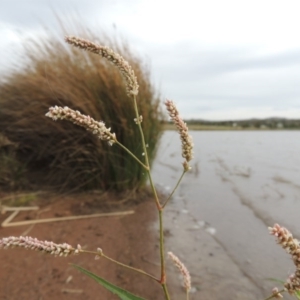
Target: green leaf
column 123, row 294
column 297, row 293
column 276, row 280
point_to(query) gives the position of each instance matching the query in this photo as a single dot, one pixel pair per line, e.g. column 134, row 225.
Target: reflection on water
column 241, row 182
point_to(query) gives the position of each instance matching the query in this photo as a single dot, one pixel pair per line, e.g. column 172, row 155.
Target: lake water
column 241, row 182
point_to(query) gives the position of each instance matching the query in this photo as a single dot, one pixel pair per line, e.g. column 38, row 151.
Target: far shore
column 227, row 128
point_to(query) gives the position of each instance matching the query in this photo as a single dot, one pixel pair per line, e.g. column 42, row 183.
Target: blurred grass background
column 37, row 152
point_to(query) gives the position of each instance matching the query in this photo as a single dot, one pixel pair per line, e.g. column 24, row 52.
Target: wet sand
column 241, row 183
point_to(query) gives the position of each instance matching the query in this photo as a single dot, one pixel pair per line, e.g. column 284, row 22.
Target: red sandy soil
column 130, row 239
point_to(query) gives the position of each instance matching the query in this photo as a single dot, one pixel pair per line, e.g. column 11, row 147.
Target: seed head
column 291, row 245
column 97, row 128
column 186, row 139
column 183, row 270
column 30, row 243
column 116, row 59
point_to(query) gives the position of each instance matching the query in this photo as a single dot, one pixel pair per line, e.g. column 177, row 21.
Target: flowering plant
column 104, row 133
column 98, row 128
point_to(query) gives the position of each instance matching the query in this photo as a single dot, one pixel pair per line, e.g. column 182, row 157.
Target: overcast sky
column 216, row 59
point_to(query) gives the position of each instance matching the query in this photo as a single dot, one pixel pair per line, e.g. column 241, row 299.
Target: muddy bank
column 129, row 239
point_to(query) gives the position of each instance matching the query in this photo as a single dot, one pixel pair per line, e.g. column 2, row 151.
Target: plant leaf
column 123, row 294
column 276, row 280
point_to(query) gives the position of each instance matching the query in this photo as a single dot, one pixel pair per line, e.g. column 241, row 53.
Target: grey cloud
column 227, row 78
column 36, row 13
column 180, row 62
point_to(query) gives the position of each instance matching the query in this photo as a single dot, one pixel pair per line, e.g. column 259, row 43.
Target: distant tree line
column 269, row 123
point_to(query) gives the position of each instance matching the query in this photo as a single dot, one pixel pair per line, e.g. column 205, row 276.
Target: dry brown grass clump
column 59, row 154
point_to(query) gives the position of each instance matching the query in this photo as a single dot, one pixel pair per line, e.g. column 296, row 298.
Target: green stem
column 274, row 295
column 162, row 254
column 130, row 153
column 146, row 154
column 131, row 268
column 175, row 188
column 121, row 264
column 161, row 243
column 167, row 296
column 141, row 132
column 158, row 205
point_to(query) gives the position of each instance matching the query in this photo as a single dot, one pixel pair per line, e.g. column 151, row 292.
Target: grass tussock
column 60, row 154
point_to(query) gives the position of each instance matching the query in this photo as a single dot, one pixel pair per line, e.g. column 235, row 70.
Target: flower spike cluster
column 186, row 139
column 183, row 270
column 30, row 243
column 124, row 67
column 97, row 128
column 291, row 245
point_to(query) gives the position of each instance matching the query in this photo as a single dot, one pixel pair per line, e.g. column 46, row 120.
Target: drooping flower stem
column 131, row 268
column 96, row 127
column 175, row 188
column 132, row 90
column 100, row 253
column 131, row 154
column 105, row 134
column 125, row 69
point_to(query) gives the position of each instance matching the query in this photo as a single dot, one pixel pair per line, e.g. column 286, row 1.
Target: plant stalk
column 274, row 295
column 175, row 188
column 121, row 264
column 158, row 206
column 164, row 286
column 141, row 132
column 131, row 154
